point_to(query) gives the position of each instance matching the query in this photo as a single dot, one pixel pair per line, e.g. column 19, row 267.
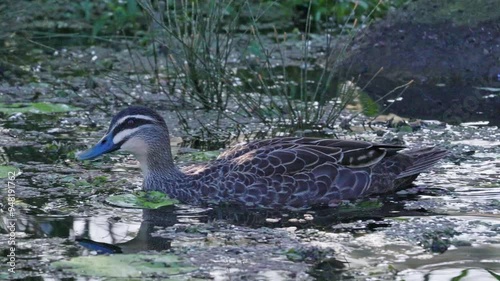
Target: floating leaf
column 37, row 107
column 141, row 200
column 124, row 266
column 5, row 170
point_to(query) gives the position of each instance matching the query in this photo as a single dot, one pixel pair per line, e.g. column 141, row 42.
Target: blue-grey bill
column 106, row 145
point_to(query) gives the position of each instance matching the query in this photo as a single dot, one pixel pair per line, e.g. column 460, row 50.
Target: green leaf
column 37, row 107
column 5, row 170
column 124, row 266
column 370, row 107
column 141, row 200
column 405, row 129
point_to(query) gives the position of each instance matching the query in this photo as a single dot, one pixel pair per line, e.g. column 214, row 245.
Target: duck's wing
column 283, row 158
column 302, row 172
column 291, row 155
column 312, row 151
column 294, row 175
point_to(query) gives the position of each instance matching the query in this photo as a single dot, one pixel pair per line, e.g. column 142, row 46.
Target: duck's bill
column 104, row 146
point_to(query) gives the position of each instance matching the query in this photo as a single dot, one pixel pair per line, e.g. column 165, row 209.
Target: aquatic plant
column 216, row 58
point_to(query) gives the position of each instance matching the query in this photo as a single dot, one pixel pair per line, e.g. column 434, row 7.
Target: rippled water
column 446, row 228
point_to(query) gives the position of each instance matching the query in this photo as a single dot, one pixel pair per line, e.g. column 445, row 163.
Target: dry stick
column 285, row 94
column 139, row 81
column 333, row 113
column 260, row 79
column 365, row 86
column 179, row 36
column 270, row 72
column 189, row 49
column 336, row 109
column 405, row 86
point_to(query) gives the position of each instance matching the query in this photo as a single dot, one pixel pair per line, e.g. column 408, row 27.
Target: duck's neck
column 171, row 181
column 161, row 174
column 157, row 160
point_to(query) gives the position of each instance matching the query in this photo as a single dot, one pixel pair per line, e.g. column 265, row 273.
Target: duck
column 294, row 173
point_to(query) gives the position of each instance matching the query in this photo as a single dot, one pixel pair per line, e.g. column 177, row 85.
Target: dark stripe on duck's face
column 128, row 125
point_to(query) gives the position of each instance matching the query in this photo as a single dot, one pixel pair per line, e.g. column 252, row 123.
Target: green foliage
column 370, row 107
column 203, row 41
column 109, row 17
column 123, row 15
column 194, row 36
column 75, row 21
column 344, row 11
column 73, row 182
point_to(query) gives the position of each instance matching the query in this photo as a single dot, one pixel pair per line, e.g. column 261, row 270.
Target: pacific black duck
column 286, row 172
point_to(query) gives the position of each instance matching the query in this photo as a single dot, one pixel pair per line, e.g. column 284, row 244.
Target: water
column 446, row 227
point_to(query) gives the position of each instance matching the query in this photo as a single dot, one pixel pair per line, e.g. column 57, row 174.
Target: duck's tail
column 419, row 161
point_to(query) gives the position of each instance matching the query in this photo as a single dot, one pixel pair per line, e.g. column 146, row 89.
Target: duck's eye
column 130, row 122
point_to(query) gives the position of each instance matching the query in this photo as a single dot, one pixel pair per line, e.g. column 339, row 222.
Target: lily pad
column 141, row 200
column 5, row 170
column 125, row 266
column 37, row 107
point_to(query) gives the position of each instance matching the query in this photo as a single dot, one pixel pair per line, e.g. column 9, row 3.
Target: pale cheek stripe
column 123, row 134
column 138, row 116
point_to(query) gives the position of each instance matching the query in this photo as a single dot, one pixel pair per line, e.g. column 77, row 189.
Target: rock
column 449, row 49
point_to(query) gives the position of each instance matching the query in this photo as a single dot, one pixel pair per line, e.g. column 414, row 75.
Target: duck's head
column 138, row 130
